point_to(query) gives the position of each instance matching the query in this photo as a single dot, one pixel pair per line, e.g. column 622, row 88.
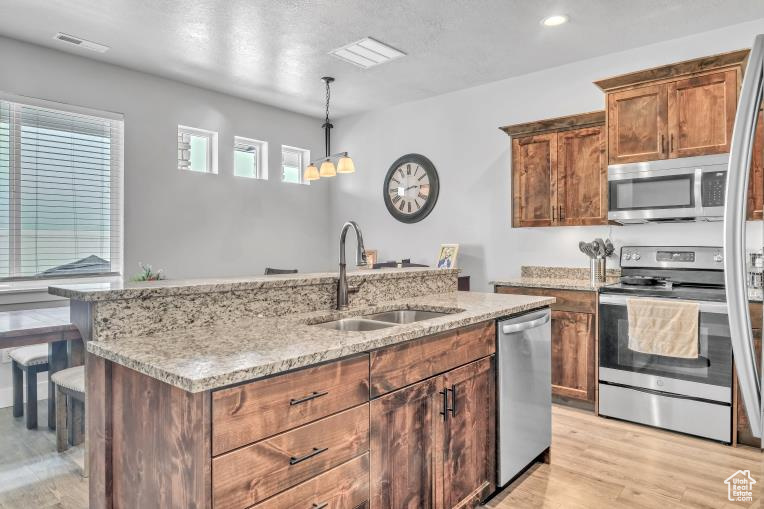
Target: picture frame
column 371, row 258
column 447, row 256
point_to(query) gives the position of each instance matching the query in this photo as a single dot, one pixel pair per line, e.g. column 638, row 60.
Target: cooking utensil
column 609, row 247
column 600, row 245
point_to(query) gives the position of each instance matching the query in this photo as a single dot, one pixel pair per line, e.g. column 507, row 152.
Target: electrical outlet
column 5, row 355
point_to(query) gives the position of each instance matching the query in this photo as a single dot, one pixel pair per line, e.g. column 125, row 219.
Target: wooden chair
column 30, row 360
column 271, row 271
column 70, row 385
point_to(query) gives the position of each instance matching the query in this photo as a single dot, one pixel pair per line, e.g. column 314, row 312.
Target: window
column 197, row 150
column 60, row 191
column 250, row 158
column 293, row 163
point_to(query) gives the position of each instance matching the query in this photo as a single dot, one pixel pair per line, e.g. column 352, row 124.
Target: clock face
column 411, row 188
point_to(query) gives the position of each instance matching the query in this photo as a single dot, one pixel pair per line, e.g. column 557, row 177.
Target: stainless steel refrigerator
column 734, row 236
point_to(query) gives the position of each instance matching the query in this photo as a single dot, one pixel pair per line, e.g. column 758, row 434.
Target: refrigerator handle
column 735, row 204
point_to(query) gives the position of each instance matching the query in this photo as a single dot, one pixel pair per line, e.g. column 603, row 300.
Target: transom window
column 250, row 158
column 293, row 163
column 197, row 150
column 60, row 191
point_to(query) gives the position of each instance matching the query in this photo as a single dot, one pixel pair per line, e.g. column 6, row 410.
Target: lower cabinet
column 573, row 355
column 432, row 443
column 574, row 340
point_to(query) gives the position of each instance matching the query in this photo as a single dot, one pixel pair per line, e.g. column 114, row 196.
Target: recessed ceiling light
column 79, row 41
column 553, row 21
column 367, row 53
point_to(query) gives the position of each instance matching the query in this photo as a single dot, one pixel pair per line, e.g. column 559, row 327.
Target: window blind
column 60, row 192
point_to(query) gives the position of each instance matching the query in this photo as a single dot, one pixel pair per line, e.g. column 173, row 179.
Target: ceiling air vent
column 82, row 43
column 367, row 53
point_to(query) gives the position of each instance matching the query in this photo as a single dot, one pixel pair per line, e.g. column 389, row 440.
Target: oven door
column 709, row 377
column 653, row 195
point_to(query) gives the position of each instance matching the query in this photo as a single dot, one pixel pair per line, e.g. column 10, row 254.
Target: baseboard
column 6, row 394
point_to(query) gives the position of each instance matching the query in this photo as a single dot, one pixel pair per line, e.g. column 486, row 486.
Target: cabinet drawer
column 577, row 301
column 343, row 487
column 397, row 366
column 247, row 413
column 255, row 472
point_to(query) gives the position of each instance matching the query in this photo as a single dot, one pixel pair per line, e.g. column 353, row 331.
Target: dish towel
column 663, row 327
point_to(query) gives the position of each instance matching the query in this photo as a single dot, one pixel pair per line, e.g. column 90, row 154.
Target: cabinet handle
column 322, row 505
column 663, row 143
column 561, row 213
column 445, row 410
column 453, row 400
column 312, row 395
column 554, row 211
column 315, row 452
column 671, row 142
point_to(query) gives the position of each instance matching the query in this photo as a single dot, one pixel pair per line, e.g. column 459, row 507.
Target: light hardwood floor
column 596, row 463
column 32, row 473
column 599, row 462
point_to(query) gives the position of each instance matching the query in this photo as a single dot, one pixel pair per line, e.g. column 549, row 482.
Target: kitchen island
column 235, row 395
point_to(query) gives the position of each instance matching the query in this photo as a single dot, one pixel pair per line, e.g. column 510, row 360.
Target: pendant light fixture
column 327, row 167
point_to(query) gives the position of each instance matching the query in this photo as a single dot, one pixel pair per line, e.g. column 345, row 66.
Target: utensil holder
column 597, row 269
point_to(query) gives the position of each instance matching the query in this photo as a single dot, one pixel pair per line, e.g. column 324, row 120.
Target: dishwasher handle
column 531, row 324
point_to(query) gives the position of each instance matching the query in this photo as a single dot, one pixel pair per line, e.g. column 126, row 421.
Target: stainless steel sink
column 405, row 315
column 354, row 324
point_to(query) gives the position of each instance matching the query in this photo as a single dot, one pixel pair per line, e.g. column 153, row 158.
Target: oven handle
column 735, row 204
column 719, row 308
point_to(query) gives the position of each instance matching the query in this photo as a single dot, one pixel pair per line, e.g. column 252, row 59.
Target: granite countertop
column 550, row 282
column 755, row 295
column 92, row 292
column 208, row 358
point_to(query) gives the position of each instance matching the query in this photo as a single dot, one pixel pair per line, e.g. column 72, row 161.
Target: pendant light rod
column 327, row 125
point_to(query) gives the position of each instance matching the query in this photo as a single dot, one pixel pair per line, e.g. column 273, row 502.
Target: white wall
column 459, row 133
column 191, row 225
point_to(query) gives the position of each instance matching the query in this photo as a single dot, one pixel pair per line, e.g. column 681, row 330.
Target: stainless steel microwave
column 668, row 190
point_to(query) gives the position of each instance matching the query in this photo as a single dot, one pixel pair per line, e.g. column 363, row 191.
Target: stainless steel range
column 692, row 396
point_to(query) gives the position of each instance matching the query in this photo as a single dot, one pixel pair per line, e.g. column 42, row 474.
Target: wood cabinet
column 534, row 168
column 756, row 184
column 559, row 171
column 637, row 124
column 440, row 432
column 574, row 340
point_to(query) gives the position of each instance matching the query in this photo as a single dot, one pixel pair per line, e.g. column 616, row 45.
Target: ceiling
column 275, row 51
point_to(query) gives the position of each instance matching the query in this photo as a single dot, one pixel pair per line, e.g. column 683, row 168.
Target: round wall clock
column 411, row 187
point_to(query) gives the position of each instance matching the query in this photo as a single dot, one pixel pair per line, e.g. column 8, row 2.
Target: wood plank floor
column 599, row 462
column 596, row 463
column 32, row 473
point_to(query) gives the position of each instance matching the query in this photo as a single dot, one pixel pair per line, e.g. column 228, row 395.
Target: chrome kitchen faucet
column 360, row 260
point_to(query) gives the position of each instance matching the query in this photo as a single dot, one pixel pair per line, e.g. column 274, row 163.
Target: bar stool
column 30, row 360
column 70, row 385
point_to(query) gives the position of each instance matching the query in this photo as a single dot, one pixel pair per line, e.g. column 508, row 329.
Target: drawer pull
column 453, row 400
column 445, row 410
column 315, row 452
column 312, row 395
column 320, row 506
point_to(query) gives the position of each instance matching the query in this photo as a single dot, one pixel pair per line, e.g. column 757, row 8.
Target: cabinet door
column 573, row 355
column 581, row 177
column 701, row 112
column 756, row 183
column 401, row 447
column 468, row 435
column 744, row 435
column 637, row 124
column 534, row 163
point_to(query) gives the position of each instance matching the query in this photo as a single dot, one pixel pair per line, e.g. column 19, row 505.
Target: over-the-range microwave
column 668, row 190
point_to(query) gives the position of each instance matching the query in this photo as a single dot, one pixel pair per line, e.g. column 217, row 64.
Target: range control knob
column 636, row 256
column 627, row 256
column 718, row 258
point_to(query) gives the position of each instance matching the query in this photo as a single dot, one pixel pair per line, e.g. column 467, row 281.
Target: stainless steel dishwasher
column 524, row 371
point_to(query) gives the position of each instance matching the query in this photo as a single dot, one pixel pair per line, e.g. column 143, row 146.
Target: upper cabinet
column 678, row 110
column 559, row 171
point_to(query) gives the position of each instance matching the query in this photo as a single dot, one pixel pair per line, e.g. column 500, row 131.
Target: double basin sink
column 380, row 320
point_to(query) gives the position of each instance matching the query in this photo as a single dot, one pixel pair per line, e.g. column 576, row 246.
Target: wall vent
column 82, row 43
column 367, row 53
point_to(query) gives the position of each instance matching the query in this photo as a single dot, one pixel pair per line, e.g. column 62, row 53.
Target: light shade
column 311, row 173
column 345, row 165
column 327, row 169
column 553, row 21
